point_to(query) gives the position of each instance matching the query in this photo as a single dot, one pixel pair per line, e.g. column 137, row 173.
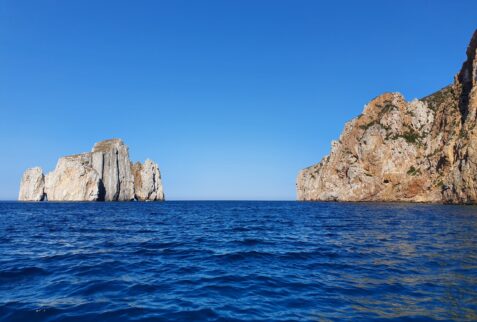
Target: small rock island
column 104, row 174
column 419, row 151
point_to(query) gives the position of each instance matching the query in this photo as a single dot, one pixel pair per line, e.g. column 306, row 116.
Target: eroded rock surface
column 73, row 180
column 110, row 159
column 32, row 186
column 421, row 151
column 147, row 181
column 106, row 174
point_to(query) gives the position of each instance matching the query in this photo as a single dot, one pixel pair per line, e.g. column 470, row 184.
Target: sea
column 237, row 261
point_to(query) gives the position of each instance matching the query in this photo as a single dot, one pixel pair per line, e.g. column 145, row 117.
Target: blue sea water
column 237, row 261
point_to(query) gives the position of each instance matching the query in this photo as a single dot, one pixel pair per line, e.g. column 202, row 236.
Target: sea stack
column 419, row 151
column 104, row 174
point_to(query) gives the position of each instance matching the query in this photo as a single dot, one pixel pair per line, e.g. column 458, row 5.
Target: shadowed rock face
column 420, row 151
column 110, row 159
column 105, row 174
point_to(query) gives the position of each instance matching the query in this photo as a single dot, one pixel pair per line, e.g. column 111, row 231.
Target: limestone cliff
column 147, row 181
column 104, row 174
column 420, row 151
column 110, row 159
column 33, row 185
column 73, row 180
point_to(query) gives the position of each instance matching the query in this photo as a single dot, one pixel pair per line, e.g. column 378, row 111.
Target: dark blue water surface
column 237, row 261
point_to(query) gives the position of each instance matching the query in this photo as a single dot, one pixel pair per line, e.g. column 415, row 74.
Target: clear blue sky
column 232, row 98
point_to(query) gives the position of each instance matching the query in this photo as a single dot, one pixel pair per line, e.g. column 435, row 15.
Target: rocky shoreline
column 419, row 151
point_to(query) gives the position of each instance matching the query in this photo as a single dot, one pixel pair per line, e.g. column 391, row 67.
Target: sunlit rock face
column 420, row 151
column 147, row 181
column 73, row 180
column 32, row 186
column 105, row 174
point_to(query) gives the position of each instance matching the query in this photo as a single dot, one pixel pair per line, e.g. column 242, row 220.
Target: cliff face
column 420, row 151
column 73, row 180
column 105, row 174
column 110, row 159
column 147, row 181
column 33, row 185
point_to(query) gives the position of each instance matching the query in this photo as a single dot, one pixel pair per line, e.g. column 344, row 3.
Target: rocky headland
column 104, row 174
column 424, row 150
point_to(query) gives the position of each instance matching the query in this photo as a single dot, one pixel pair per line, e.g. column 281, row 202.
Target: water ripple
column 237, row 261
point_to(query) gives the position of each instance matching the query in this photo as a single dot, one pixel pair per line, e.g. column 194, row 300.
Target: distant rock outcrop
column 73, row 179
column 420, row 151
column 105, row 174
column 33, row 185
column 110, row 159
column 147, row 181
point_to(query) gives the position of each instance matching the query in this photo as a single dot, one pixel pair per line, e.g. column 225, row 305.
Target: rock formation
column 419, row 151
column 147, row 181
column 73, row 180
column 110, row 159
column 104, row 174
column 33, row 185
